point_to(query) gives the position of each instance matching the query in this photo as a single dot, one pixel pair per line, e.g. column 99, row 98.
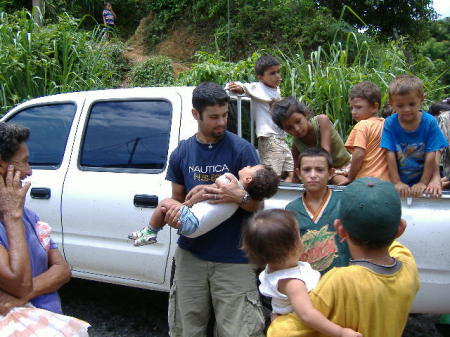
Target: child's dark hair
column 270, row 235
column 283, row 109
column 404, row 84
column 265, row 62
column 207, row 94
column 366, row 90
column 315, row 152
column 264, row 184
column 387, row 111
column 437, row 107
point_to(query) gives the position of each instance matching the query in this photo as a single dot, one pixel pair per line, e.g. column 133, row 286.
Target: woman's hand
column 12, row 195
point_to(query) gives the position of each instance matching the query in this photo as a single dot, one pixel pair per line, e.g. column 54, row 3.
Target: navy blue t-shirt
column 193, row 163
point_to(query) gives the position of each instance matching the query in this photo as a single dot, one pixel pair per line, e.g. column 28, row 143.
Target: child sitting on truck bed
column 196, row 219
column 441, row 111
column 318, row 131
column 368, row 159
column 412, row 138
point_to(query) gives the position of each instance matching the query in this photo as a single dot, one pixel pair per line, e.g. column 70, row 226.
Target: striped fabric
column 29, row 321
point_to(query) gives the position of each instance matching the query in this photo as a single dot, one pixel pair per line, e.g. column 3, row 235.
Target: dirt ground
column 180, row 46
column 116, row 311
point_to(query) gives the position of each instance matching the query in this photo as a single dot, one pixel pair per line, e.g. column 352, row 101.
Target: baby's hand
column 350, row 333
column 402, row 189
column 417, row 189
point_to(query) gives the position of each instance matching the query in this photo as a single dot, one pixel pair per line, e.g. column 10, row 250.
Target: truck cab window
column 233, row 118
column 50, row 126
column 127, row 135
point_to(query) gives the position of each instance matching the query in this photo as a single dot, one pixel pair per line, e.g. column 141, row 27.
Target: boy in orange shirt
column 368, row 158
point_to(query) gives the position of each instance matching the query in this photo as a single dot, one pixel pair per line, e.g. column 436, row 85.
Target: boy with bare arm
column 412, row 138
column 368, row 159
column 272, row 148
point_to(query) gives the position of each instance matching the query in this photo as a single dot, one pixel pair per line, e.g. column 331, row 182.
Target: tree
column 386, row 18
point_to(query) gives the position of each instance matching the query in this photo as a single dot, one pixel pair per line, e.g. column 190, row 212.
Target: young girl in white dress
column 271, row 238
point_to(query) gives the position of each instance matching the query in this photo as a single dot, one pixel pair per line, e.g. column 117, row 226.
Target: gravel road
column 116, row 311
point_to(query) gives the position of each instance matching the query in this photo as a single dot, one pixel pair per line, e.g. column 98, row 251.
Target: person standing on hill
column 108, row 17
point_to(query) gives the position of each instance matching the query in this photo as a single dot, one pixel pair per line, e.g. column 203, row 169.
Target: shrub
column 55, row 58
column 156, row 71
column 323, row 79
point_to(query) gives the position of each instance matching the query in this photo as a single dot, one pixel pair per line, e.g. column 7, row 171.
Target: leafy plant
column 156, row 71
column 55, row 58
column 322, row 79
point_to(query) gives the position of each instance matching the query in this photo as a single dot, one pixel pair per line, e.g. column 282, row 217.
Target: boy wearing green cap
column 374, row 294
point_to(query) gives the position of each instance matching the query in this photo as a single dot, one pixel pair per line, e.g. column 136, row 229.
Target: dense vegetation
column 59, row 57
column 322, row 78
column 324, row 48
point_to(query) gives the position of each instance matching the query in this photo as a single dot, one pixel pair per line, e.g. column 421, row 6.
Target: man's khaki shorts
column 228, row 289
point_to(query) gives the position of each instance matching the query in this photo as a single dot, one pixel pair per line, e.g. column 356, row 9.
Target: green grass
column 37, row 61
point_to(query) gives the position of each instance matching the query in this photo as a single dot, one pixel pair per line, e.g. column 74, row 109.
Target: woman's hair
column 270, row 236
column 11, row 136
column 283, row 109
column 264, row 184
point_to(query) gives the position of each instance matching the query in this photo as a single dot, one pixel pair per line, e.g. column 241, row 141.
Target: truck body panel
column 99, row 162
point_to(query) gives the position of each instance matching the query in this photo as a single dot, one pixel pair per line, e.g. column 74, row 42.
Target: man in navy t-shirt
column 212, row 272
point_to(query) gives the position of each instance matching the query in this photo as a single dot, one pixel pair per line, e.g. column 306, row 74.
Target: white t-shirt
column 211, row 215
column 262, row 97
column 269, row 284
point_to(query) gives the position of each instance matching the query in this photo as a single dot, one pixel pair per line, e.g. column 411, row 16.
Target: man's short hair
column 270, row 235
column 404, row 84
column 265, row 62
column 11, row 136
column 283, row 109
column 366, row 90
column 315, row 152
column 370, row 211
column 264, row 184
column 207, row 94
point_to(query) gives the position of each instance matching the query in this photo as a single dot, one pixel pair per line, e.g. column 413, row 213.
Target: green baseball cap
column 370, row 209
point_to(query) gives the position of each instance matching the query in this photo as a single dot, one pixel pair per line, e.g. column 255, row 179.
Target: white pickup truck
column 99, row 160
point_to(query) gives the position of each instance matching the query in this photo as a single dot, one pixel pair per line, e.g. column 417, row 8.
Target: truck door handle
column 40, row 193
column 145, row 200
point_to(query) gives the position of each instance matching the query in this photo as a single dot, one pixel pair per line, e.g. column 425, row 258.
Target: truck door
column 51, row 137
column 114, row 182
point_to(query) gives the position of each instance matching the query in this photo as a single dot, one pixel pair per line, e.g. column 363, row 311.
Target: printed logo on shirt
column 410, row 151
column 410, row 160
column 319, row 248
column 208, row 173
